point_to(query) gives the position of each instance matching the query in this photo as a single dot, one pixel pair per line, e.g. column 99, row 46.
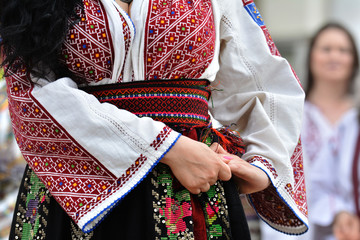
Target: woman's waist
column 183, row 101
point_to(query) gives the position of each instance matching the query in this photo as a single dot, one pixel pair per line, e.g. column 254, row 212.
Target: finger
column 221, row 150
column 227, row 158
column 216, row 147
column 205, row 188
column 195, row 191
column 224, row 172
column 212, row 181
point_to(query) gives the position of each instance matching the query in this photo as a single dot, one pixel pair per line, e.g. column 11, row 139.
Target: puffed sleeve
column 257, row 93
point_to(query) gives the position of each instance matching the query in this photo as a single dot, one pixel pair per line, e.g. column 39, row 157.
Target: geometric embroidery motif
column 65, row 168
column 161, row 138
column 270, row 206
column 179, row 39
column 86, row 51
column 266, row 163
column 171, row 101
column 273, row 49
column 299, row 189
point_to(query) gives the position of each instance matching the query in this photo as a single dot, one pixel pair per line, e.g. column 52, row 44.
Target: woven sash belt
column 168, row 101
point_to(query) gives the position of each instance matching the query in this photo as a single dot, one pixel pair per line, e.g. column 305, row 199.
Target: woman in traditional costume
column 329, row 135
column 110, row 107
column 330, row 127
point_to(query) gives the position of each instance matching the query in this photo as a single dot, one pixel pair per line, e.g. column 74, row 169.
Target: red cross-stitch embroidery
column 180, row 39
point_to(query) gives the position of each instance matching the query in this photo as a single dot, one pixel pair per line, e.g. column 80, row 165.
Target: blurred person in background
column 329, row 135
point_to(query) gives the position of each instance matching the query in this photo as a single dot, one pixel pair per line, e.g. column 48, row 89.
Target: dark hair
column 32, row 33
column 310, row 78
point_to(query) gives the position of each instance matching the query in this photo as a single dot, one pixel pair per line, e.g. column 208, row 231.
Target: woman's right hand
column 196, row 165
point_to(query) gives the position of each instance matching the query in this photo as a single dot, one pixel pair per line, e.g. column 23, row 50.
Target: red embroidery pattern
column 270, row 42
column 88, row 52
column 311, row 137
column 266, row 163
column 299, row 189
column 161, row 138
column 289, row 189
column 75, row 179
column 127, row 41
column 246, row 2
column 271, row 206
column 180, row 39
column 171, row 101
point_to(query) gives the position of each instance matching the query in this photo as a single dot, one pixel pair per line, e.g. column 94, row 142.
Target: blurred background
column 291, row 23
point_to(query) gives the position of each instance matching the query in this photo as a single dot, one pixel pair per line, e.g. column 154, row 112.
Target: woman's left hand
column 346, row 226
column 249, row 179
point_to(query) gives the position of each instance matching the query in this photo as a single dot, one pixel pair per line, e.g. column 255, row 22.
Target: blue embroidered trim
column 176, row 115
column 255, row 14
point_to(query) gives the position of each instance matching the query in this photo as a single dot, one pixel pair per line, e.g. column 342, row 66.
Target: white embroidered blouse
column 260, row 94
column 329, row 157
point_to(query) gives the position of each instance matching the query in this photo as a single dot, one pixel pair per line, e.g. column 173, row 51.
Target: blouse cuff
column 281, row 206
column 91, row 219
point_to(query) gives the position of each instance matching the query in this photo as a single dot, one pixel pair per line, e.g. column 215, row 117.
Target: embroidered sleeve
column 88, row 154
column 257, row 92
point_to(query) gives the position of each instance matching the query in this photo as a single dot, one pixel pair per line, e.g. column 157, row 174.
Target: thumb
column 216, row 147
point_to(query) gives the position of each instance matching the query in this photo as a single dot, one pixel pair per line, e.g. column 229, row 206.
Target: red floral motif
column 174, row 214
column 212, row 210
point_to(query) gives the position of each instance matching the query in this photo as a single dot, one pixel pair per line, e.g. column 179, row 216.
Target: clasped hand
column 198, row 166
